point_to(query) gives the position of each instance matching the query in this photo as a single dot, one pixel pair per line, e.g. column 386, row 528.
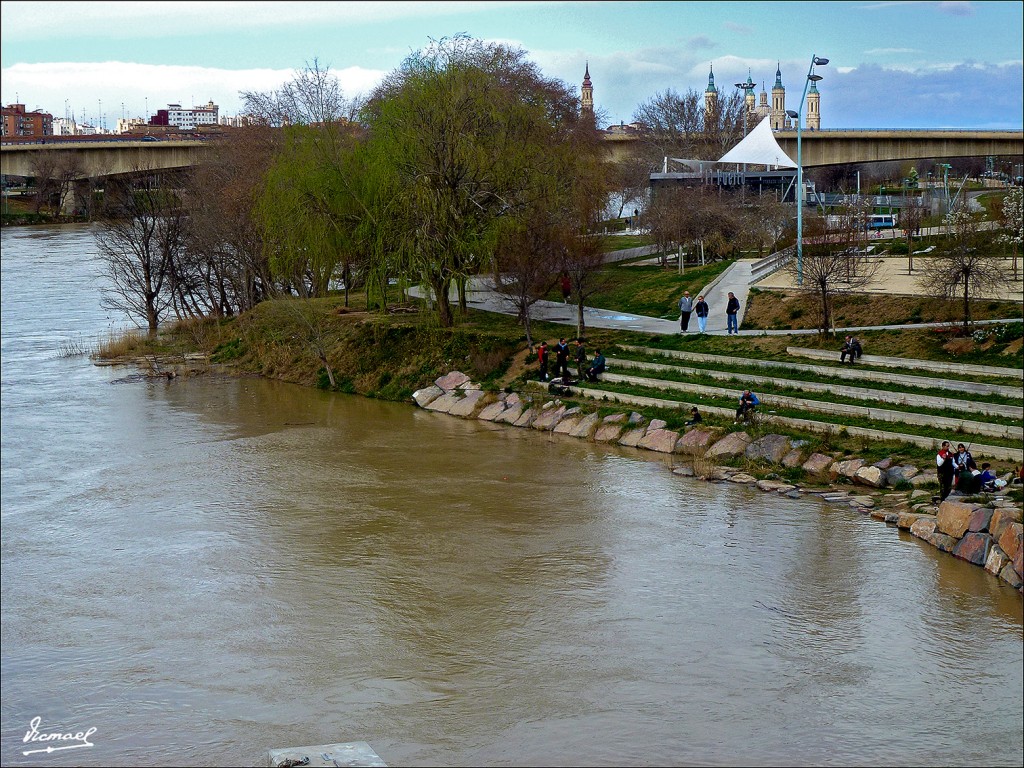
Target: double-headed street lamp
column 745, row 87
column 811, row 78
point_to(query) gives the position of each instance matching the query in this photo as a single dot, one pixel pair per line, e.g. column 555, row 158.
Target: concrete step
column 874, row 395
column 978, row 450
column 838, row 372
column 953, row 425
column 963, row 369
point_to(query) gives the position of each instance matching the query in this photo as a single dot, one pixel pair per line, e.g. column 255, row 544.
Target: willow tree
column 459, row 134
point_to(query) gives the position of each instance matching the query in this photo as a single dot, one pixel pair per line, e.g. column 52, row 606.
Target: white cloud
column 877, row 51
column 115, row 83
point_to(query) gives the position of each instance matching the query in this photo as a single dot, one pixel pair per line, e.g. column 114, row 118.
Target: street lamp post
column 744, row 87
column 811, row 78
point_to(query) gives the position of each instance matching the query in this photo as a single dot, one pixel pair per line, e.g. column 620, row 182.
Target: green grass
column 651, row 291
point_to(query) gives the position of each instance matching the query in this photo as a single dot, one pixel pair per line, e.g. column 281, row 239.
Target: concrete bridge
column 109, row 157
column 840, row 147
column 832, row 147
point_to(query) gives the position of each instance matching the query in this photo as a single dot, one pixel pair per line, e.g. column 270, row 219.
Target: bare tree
column 831, row 263
column 911, row 216
column 312, row 97
column 1011, row 218
column 141, row 242
column 965, row 268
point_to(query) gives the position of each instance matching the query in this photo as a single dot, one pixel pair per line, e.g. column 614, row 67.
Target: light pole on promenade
column 744, row 87
column 811, row 78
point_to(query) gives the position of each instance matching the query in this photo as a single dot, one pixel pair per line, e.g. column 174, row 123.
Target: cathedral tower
column 813, row 108
column 748, row 96
column 710, row 99
column 587, row 93
column 778, row 102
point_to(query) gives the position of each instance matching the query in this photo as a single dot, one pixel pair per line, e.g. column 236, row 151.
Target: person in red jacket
column 542, row 358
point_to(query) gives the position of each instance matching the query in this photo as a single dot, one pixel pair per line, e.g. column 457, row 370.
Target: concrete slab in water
column 355, row 753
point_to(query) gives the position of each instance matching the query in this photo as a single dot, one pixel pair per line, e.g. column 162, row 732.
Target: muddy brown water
column 204, row 569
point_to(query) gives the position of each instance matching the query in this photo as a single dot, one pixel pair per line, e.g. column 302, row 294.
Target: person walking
column 542, row 358
column 581, row 358
column 732, row 307
column 702, row 310
column 566, row 287
column 685, row 310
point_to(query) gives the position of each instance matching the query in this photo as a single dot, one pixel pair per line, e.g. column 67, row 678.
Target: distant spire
column 586, row 74
column 778, row 75
column 711, row 82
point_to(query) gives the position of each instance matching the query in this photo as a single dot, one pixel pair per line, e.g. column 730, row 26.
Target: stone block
column 793, row 458
column 567, row 425
column 770, row 448
column 817, row 464
column 923, row 527
column 730, row 446
column 510, row 415
column 774, row 485
column 941, row 541
column 526, row 418
column 847, row 468
column 444, row 403
column 1011, row 575
column 1018, row 560
column 468, row 405
column 954, row 517
column 451, row 381
column 870, row 476
column 884, row 464
column 684, row 471
column 1010, row 541
column 615, row 418
column 742, row 477
column 980, row 519
column 635, row 418
column 973, row 547
column 492, row 411
column 427, row 395
column 1001, row 518
column 924, row 480
column 694, row 442
column 996, row 561
column 586, row 426
column 863, row 501
column 549, row 417
column 657, row 424
column 891, row 517
column 660, row 440
column 608, row 433
column 903, row 473
column 632, row 437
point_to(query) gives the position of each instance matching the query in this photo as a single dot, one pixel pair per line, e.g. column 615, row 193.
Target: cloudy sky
column 892, row 64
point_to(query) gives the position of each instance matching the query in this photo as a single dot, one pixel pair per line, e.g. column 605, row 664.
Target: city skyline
column 892, row 64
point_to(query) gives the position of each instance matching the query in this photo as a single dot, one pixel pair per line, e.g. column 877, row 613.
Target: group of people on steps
column 562, row 353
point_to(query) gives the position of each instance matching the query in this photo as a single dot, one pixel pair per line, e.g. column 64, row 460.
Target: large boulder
column 511, row 414
column 657, row 424
column 996, row 561
column 570, row 419
column 492, row 411
column 1001, row 518
column 847, row 468
column 906, row 520
column 469, row 404
column 954, row 517
column 452, row 380
column 871, row 476
column 1011, row 575
column 660, row 440
column 923, row 527
column 586, row 426
column 973, row 547
column 423, row 397
column 774, row 485
column 817, row 464
column 742, row 477
column 732, row 445
column 526, row 418
column 793, row 458
column 770, row 448
column 444, row 403
column 609, row 431
column 1010, row 541
column 694, row 442
column 980, row 519
column 549, row 417
column 632, row 437
column 901, row 474
column 942, row 541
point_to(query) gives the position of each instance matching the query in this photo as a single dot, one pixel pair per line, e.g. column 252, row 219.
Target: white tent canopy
column 759, row 147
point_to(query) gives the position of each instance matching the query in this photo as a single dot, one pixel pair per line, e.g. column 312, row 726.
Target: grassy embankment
column 389, row 356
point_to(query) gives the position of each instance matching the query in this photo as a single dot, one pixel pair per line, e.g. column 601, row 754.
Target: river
column 207, row 568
